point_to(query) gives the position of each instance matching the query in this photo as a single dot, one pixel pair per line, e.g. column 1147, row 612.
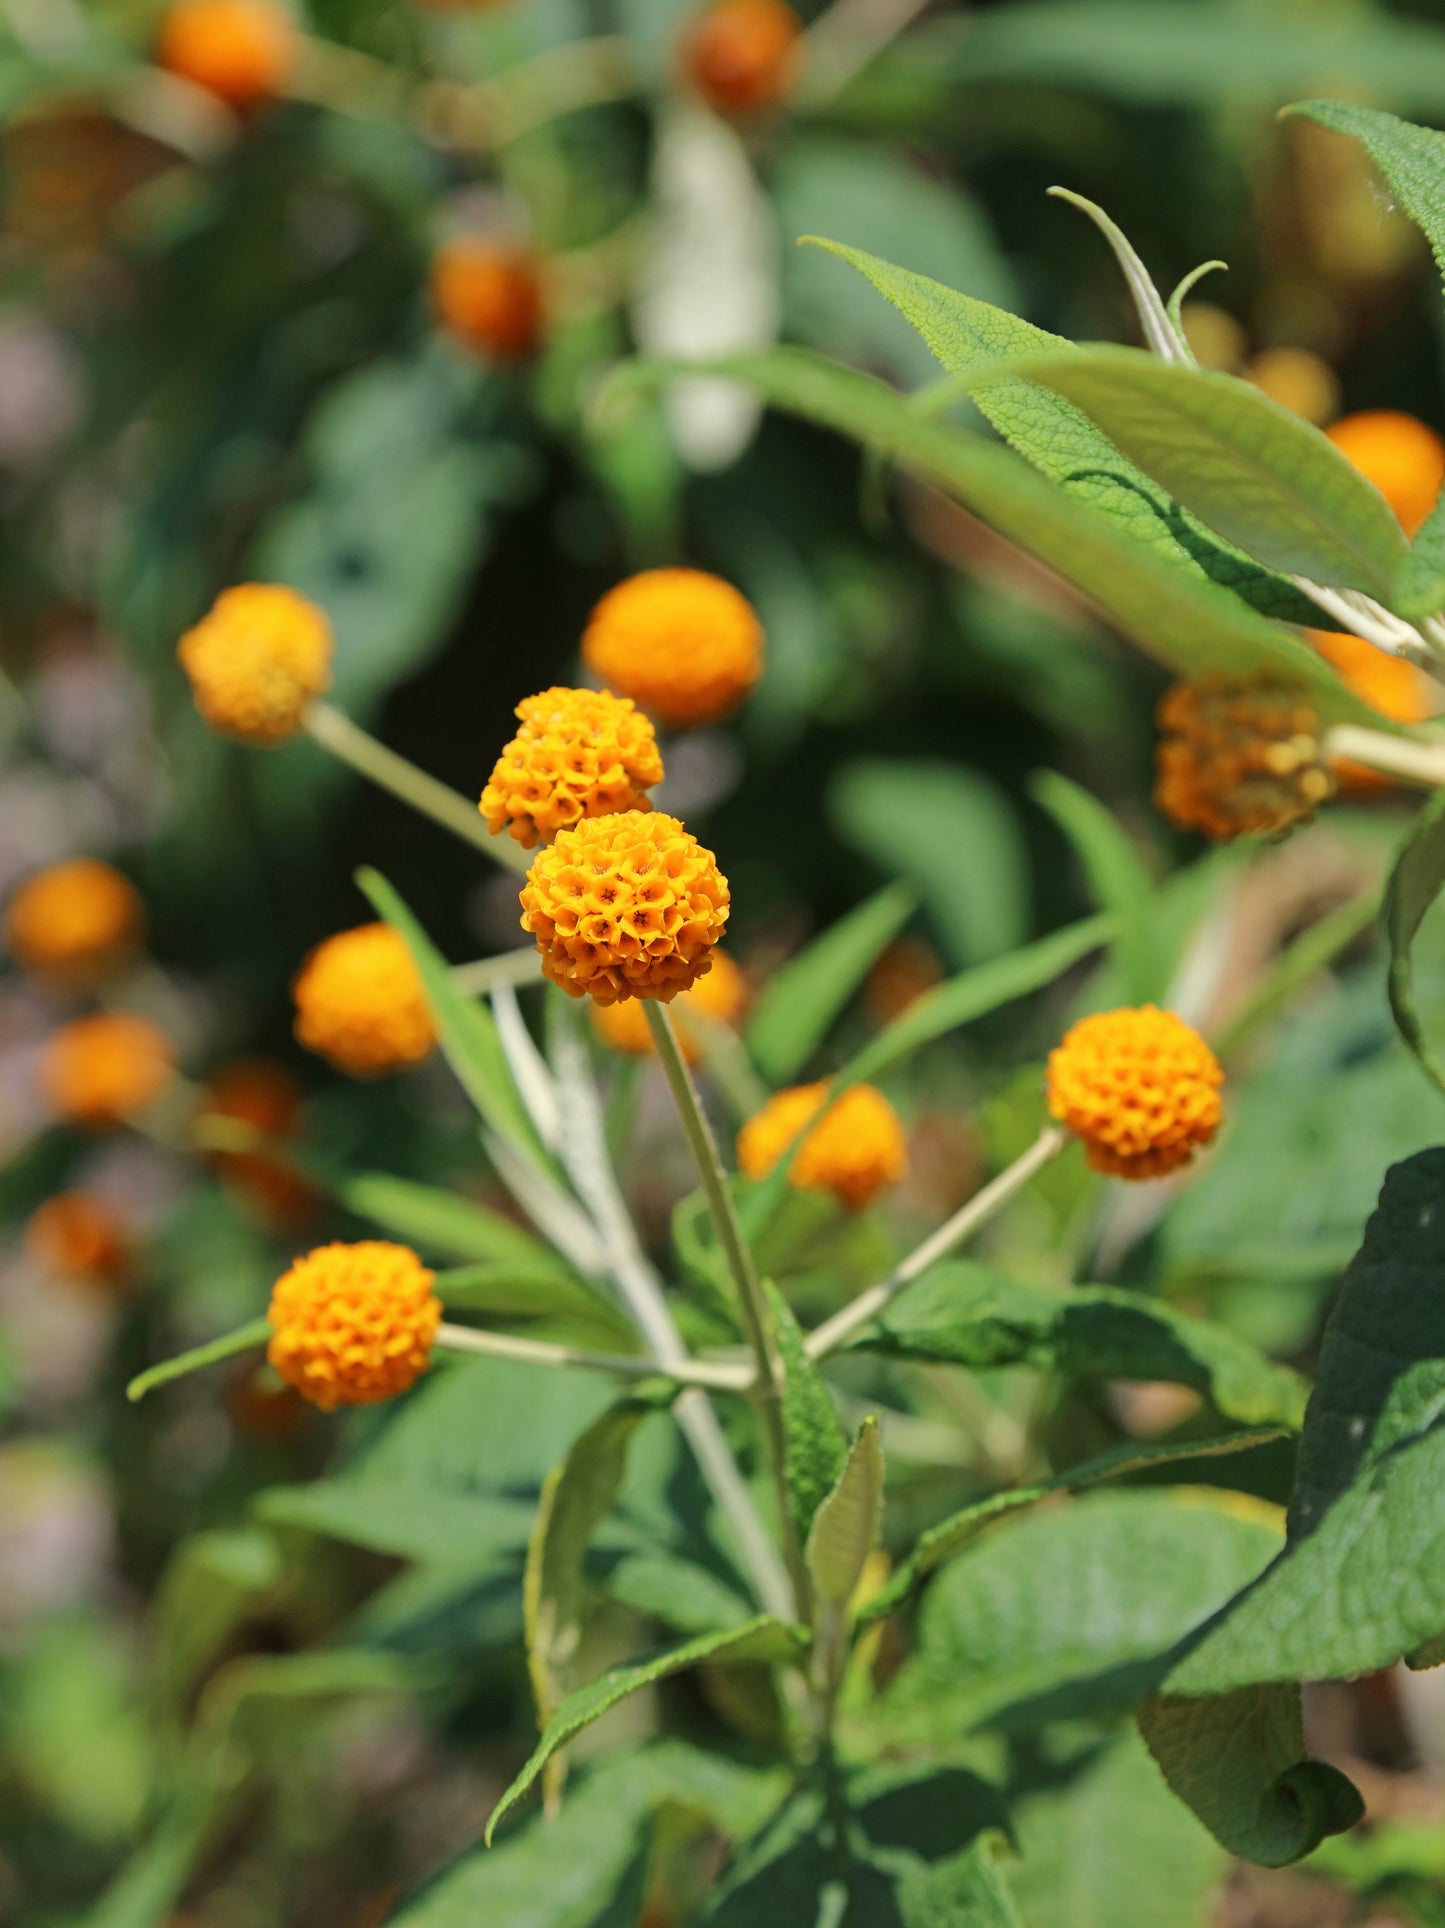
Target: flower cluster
column 257, row 660
column 360, row 1003
column 1239, row 755
column 73, row 920
column 100, row 1071
column 855, row 1150
column 625, row 906
column 685, row 645
column 718, row 996
column 579, row 753
column 351, row 1324
column 243, row 51
column 1140, row 1088
column 487, row 294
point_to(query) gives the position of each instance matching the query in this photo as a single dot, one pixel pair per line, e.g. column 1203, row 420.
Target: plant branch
column 522, row 967
column 540, row 1352
column 1396, row 756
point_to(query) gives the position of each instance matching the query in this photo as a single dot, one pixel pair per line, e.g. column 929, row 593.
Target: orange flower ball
column 579, row 753
column 100, row 1071
column 257, row 660
column 742, row 55
column 1239, row 756
column 352, row 1324
column 856, row 1150
column 266, row 1098
column 74, row 920
column 720, row 994
column 682, row 643
column 78, row 1236
column 1404, row 459
column 487, row 294
column 243, row 51
column 626, row 906
column 360, row 1003
column 1139, row 1087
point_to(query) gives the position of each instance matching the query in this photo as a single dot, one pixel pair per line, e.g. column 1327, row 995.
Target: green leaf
column 214, row 1582
column 1059, row 440
column 1120, row 882
column 816, row 1445
column 1260, row 475
column 439, row 1223
column 244, row 1339
column 962, row 1314
column 403, row 1520
column 848, row 1524
column 762, row 1640
column 1412, row 160
column 799, row 1002
column 1415, row 882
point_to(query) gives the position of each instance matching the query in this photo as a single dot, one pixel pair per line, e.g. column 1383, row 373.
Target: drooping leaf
column 1412, row 159
column 439, row 1223
column 816, row 1445
column 798, row 1004
column 763, row 1639
column 244, row 1339
column 849, row 1522
column 1415, row 882
column 1120, row 882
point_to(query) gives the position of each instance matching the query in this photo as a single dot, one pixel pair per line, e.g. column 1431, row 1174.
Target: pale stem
column 967, row 1220
column 1364, row 617
column 522, row 967
column 356, row 747
column 751, row 1303
column 539, row 1352
column 1395, row 756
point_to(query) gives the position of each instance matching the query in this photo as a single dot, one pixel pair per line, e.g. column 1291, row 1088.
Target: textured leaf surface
column 817, row 1446
column 1412, row 159
column 1415, row 882
column 848, row 1524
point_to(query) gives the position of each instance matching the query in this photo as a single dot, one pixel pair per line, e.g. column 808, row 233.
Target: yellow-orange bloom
column 685, row 645
column 1139, row 1087
column 1238, row 756
column 1402, row 457
column 579, row 753
column 243, row 51
column 626, row 906
column 257, row 660
column 856, row 1150
column 73, row 920
column 719, row 994
column 351, row 1324
column 742, row 55
column 487, row 294
column 100, row 1071
column 1298, row 380
column 79, row 1236
column 264, row 1096
column 360, row 1002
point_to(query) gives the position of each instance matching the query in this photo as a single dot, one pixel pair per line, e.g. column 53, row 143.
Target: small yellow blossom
column 351, row 1324
column 579, row 753
column 685, row 645
column 257, row 660
column 855, row 1150
column 73, row 920
column 360, row 1002
column 1140, row 1088
column 100, row 1071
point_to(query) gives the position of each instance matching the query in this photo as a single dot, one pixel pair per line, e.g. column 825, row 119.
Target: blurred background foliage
column 218, row 361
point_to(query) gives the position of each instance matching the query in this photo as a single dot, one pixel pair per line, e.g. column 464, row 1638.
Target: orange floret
column 626, row 906
column 1139, row 1087
column 266, row 1098
column 1402, row 457
column 100, row 1071
column 685, row 645
column 856, row 1150
column 742, row 55
column 719, row 994
column 360, row 1002
column 579, row 753
column 243, row 51
column 1239, row 755
column 78, row 1236
column 74, row 920
column 487, row 294
column 351, row 1324
column 257, row 660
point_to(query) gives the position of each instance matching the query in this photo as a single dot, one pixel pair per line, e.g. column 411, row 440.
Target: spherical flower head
column 76, row 1235
column 719, row 995
column 1402, row 457
column 625, row 906
column 243, row 51
column 360, row 1003
column 265, row 1097
column 685, row 645
column 257, row 660
column 74, row 920
column 743, row 55
column 1239, row 755
column 351, row 1324
column 99, row 1071
column 487, row 294
column 1139, row 1087
column 579, row 753
column 856, row 1149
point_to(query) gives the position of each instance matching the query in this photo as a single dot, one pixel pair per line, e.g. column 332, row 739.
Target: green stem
column 354, row 746
column 751, row 1303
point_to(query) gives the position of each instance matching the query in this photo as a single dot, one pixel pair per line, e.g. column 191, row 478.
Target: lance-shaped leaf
column 1412, row 159
column 244, row 1339
column 815, row 1443
column 848, row 1524
column 1415, row 882
column 1261, row 476
column 1120, row 883
column 763, row 1640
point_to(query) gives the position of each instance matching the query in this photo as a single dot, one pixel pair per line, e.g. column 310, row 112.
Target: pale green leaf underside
column 848, row 1524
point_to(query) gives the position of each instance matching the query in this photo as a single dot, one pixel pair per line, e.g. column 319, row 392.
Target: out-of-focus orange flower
column 1239, row 756
column 79, row 1236
column 360, row 1003
column 685, row 645
column 1402, row 457
column 487, row 294
column 264, row 1096
column 74, row 920
column 243, row 51
column 100, row 1071
column 1298, row 380
column 720, row 994
column 742, row 55
column 903, row 972
column 855, row 1150
column 255, row 662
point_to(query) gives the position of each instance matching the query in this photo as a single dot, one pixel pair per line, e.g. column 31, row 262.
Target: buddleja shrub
column 719, row 1464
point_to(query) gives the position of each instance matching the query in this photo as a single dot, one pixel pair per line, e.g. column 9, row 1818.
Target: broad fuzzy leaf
column 1412, row 159
column 1415, row 882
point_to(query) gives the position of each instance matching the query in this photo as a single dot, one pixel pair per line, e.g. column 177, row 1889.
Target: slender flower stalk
column 717, row 1376
column 983, row 1206
column 1396, row 756
column 520, row 967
